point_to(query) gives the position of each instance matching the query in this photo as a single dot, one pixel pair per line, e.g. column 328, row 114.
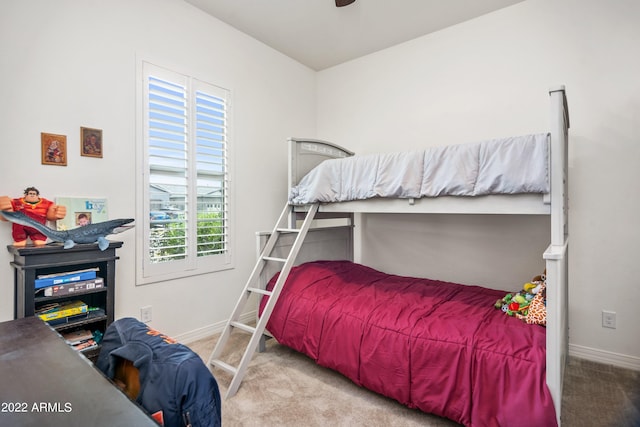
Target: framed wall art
column 54, row 149
column 90, row 142
column 81, row 211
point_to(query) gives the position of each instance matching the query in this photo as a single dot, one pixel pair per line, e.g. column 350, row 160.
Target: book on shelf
column 47, row 280
column 58, row 311
column 85, row 345
column 72, row 287
column 77, row 337
column 80, row 340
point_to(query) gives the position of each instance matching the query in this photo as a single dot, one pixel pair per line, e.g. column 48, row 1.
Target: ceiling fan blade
column 340, row 3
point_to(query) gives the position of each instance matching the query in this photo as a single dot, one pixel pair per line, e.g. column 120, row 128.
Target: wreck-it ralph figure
column 32, row 205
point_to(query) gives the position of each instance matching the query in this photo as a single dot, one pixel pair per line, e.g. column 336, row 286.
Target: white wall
column 67, row 64
column 488, row 78
column 72, row 63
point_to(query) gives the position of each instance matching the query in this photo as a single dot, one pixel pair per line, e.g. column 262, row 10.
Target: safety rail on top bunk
column 559, row 129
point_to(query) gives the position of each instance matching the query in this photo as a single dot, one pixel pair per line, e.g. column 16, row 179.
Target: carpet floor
column 285, row 388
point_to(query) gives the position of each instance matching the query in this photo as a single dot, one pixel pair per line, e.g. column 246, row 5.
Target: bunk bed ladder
column 281, row 228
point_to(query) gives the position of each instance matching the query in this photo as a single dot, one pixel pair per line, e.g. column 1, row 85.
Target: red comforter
column 437, row 346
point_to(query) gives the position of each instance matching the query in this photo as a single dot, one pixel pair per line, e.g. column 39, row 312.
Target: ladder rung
column 243, row 326
column 260, row 291
column 288, row 230
column 224, row 366
column 269, row 258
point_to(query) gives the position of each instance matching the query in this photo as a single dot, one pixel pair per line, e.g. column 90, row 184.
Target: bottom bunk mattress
column 437, row 346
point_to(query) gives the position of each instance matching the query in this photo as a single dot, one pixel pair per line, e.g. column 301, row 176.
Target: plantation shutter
column 168, row 170
column 211, row 167
column 187, row 173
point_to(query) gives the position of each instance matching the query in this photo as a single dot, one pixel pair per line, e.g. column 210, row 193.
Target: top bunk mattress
column 511, row 165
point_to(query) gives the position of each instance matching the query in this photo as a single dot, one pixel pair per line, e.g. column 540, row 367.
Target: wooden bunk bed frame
column 307, row 153
column 292, row 244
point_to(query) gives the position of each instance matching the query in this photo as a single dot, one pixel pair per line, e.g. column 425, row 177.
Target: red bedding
column 437, row 346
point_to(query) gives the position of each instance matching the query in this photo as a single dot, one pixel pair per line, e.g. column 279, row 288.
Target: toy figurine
column 32, row 205
column 90, row 233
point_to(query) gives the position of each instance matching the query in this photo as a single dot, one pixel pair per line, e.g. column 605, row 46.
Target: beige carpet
column 285, row 388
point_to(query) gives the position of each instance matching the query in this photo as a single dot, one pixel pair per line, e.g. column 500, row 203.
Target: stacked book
column 73, row 287
column 52, row 285
column 62, row 312
column 80, row 340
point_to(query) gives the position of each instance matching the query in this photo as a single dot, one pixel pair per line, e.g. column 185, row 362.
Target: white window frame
column 148, row 272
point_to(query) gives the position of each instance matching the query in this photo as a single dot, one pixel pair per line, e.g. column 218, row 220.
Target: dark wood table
column 44, row 382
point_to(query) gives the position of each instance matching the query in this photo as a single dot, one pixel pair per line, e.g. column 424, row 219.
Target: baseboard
column 607, row 357
column 581, row 352
column 210, row 330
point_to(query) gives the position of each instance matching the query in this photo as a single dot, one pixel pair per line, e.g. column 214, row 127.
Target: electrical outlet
column 608, row 319
column 145, row 314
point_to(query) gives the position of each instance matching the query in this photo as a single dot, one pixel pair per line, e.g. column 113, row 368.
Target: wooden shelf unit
column 30, row 262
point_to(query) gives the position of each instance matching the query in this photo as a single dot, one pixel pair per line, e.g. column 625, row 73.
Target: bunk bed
column 460, row 367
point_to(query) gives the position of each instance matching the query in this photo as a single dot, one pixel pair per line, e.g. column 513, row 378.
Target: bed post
column 556, row 255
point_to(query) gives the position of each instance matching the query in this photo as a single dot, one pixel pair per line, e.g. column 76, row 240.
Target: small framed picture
column 54, row 149
column 90, row 142
column 82, row 218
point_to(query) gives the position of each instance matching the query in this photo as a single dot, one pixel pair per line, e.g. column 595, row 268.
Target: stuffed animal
column 36, row 207
column 514, row 304
column 537, row 311
column 528, row 304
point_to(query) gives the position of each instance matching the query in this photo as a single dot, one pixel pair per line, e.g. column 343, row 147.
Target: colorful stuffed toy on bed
column 529, row 304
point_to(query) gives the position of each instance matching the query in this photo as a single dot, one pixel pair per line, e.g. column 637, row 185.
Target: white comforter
column 497, row 166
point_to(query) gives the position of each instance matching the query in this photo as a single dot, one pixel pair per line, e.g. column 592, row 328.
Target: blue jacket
column 173, row 379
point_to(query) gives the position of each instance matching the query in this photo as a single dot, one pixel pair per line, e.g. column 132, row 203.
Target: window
column 185, row 186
